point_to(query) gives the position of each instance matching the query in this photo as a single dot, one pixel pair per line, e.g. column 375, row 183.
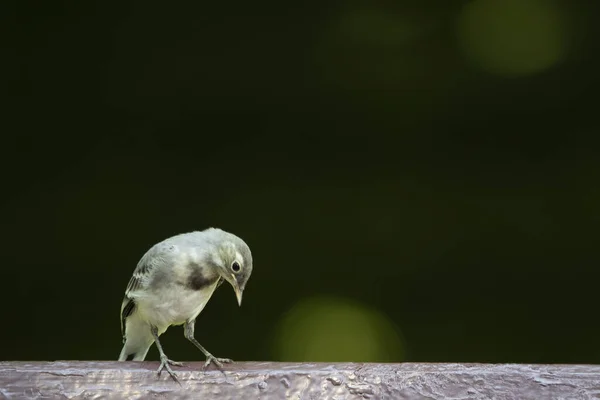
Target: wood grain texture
column 310, row 381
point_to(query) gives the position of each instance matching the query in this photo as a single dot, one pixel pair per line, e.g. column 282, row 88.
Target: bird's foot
column 165, row 363
column 217, row 361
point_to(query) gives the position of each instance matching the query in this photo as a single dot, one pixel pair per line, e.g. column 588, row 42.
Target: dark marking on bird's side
column 127, row 311
column 198, row 280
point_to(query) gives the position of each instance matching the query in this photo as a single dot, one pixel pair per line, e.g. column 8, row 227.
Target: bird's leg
column 164, row 360
column 188, row 331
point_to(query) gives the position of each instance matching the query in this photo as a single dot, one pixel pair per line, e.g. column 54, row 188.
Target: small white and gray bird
column 171, row 285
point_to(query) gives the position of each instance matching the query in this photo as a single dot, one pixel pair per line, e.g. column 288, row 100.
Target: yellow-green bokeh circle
column 335, row 329
column 513, row 37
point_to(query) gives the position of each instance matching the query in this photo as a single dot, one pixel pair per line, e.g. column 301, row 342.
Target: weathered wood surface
column 310, row 381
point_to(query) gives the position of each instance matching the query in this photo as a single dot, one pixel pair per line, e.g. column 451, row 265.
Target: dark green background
column 462, row 204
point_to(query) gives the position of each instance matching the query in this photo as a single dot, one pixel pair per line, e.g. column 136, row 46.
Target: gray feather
column 141, row 276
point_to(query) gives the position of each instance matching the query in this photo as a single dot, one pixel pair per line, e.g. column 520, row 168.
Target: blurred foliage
column 417, row 180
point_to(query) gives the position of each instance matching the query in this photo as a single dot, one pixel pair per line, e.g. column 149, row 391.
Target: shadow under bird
column 171, row 285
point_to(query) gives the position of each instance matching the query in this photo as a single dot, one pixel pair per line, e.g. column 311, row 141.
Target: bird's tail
column 134, row 353
column 138, row 339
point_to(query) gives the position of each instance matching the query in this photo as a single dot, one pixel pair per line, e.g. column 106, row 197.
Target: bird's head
column 234, row 261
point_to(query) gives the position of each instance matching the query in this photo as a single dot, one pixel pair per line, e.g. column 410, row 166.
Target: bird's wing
column 140, row 274
column 156, row 255
column 127, row 309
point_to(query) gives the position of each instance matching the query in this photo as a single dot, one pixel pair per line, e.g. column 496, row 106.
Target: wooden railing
column 310, row 381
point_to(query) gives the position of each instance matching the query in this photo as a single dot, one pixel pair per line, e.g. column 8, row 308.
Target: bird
column 171, row 285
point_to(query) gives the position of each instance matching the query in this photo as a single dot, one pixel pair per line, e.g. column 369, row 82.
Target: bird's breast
column 174, row 307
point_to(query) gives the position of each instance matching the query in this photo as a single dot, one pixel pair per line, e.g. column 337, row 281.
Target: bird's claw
column 165, row 364
column 217, row 361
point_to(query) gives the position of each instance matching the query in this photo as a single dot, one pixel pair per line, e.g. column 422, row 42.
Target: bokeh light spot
column 512, row 37
column 335, row 329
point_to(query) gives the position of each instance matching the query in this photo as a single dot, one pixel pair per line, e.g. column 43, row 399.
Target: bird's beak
column 238, row 294
column 236, row 289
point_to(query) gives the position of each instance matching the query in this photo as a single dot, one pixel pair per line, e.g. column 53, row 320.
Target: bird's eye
column 236, row 266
